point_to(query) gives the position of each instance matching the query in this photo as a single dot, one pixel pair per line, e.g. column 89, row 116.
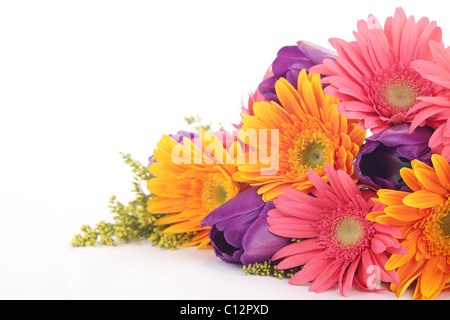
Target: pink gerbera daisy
column 373, row 77
column 438, row 72
column 338, row 244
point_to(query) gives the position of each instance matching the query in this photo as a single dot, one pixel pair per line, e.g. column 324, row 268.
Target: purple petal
column 222, row 249
column 383, row 155
column 314, row 52
column 289, row 62
column 235, row 228
column 246, row 201
column 285, row 57
column 259, row 244
column 417, row 151
column 399, row 135
column 180, row 135
column 382, row 164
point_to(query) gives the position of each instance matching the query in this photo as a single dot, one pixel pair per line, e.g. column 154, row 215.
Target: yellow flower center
column 349, row 232
column 310, row 150
column 401, row 97
column 215, row 191
column 437, row 230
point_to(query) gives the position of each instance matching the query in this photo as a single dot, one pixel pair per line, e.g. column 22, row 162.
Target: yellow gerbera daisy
column 305, row 132
column 189, row 182
column 423, row 217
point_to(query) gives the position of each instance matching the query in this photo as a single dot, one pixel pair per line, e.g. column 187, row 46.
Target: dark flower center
column 445, row 224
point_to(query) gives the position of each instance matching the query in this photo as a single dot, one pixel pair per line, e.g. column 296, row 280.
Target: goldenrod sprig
column 267, row 268
column 131, row 222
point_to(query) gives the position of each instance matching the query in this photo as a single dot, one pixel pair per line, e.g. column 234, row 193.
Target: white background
column 81, row 81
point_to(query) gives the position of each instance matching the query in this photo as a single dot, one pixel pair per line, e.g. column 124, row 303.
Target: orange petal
column 423, row 199
column 442, row 170
column 431, row 278
column 166, row 205
column 416, row 164
column 372, row 216
column 385, row 219
column 430, row 180
column 403, row 213
column 397, row 260
column 288, row 96
column 410, row 179
column 391, row 197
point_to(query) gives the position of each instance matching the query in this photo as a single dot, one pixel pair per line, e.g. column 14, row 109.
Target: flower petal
column 423, row 199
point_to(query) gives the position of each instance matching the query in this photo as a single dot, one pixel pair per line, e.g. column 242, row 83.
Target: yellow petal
column 288, row 96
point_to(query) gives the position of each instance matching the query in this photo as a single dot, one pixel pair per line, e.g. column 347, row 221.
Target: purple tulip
column 382, row 156
column 240, row 232
column 289, row 62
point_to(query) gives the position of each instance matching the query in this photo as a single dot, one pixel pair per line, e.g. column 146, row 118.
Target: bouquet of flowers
column 338, row 174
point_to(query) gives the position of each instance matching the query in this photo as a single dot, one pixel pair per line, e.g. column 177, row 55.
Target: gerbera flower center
column 445, row 224
column 314, row 155
column 437, row 230
column 310, row 150
column 214, row 193
column 395, row 90
column 348, row 232
column 345, row 231
column 401, row 96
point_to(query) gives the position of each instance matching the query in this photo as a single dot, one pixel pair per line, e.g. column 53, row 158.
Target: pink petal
column 311, row 270
column 350, row 88
column 440, row 54
column 342, row 274
column 432, row 72
column 296, row 247
column 357, row 106
column 377, row 246
column 400, row 250
column 292, row 230
column 408, row 41
column 385, row 228
column 324, row 280
column 319, row 183
column 336, row 184
column 397, row 29
column 349, row 276
column 361, row 40
column 351, row 54
column 429, row 33
column 385, row 275
column 379, row 48
column 297, row 260
column 436, row 139
column 424, row 115
column 363, row 270
column 299, row 210
column 348, row 184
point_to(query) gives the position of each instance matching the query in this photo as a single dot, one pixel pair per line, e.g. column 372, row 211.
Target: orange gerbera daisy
column 423, row 217
column 304, row 132
column 190, row 180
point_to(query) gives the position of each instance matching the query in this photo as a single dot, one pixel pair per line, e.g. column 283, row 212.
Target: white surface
column 81, row 81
